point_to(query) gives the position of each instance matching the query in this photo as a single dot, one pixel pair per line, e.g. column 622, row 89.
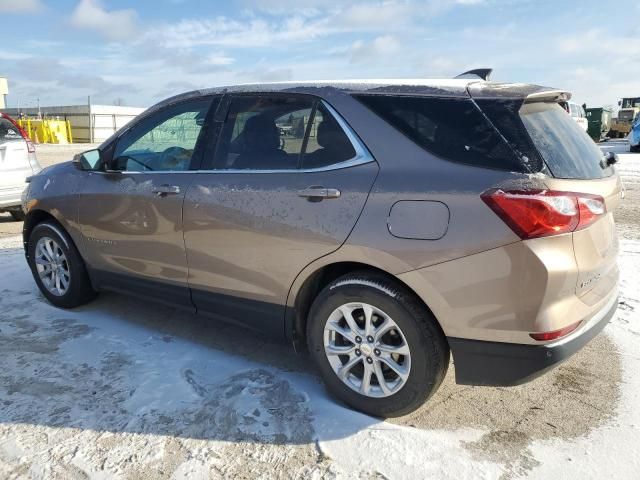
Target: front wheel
column 378, row 348
column 57, row 267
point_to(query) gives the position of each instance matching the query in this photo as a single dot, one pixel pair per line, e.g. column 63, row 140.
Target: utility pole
column 90, row 120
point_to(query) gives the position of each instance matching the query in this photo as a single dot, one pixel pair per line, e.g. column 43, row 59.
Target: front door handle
column 164, row 190
column 315, row 194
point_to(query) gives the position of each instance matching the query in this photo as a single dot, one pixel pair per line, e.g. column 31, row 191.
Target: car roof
column 458, row 87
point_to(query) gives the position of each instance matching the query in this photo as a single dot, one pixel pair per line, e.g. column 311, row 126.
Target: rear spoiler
column 548, row 96
column 523, row 92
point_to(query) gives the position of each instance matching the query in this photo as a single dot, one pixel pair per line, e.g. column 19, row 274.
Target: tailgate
column 14, row 163
column 596, row 246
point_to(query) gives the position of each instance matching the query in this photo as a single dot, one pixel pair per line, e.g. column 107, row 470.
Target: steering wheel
column 171, row 156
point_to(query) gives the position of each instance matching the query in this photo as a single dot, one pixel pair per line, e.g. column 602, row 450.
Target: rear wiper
column 608, row 159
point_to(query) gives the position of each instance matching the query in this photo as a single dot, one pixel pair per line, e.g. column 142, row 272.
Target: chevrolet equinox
column 380, row 224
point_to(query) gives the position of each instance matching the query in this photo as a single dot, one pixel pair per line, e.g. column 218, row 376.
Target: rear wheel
column 57, row 267
column 634, row 148
column 379, row 350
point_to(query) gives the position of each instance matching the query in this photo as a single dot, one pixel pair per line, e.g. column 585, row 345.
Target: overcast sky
column 140, row 52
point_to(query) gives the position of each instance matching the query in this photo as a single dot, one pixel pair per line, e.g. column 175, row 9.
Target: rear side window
column 451, row 128
column 566, row 149
column 8, row 131
column 267, row 132
column 327, row 143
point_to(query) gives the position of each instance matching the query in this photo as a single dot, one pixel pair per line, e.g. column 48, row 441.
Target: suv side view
column 381, row 224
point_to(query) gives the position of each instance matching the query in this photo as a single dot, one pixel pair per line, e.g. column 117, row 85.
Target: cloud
column 60, row 75
column 378, row 49
column 114, row 25
column 21, row 6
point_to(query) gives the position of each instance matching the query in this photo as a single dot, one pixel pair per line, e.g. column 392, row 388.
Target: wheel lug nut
column 377, row 352
column 369, row 360
column 358, row 353
column 358, row 340
column 370, row 339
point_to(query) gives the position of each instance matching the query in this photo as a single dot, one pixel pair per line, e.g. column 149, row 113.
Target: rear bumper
column 480, row 362
column 11, row 197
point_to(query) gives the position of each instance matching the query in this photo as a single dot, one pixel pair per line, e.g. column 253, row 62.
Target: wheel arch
column 35, row 217
column 307, row 290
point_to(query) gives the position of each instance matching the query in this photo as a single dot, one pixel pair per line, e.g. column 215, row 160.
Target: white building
column 93, row 123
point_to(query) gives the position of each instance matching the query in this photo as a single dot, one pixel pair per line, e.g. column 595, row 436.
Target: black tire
column 79, row 291
column 634, row 148
column 427, row 344
column 17, row 215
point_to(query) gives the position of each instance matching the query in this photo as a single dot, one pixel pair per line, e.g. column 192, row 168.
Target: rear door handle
column 164, row 190
column 319, row 193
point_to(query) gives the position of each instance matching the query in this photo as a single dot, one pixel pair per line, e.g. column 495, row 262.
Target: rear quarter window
column 566, row 149
column 451, row 128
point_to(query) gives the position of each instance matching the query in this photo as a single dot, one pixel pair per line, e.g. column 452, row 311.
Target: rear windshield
column 8, row 131
column 452, row 128
column 566, row 149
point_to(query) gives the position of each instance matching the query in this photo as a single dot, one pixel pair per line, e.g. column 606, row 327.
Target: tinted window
column 565, row 147
column 164, row 141
column 453, row 129
column 8, row 131
column 327, row 144
column 264, row 133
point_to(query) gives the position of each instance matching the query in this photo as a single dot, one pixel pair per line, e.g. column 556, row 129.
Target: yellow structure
column 47, row 131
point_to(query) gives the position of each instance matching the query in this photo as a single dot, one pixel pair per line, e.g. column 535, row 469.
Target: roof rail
column 482, row 73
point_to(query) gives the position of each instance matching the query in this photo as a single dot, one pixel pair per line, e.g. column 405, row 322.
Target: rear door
column 285, row 187
column 14, row 161
column 576, row 165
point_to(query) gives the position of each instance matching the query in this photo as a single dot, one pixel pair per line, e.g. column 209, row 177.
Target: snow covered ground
column 124, row 389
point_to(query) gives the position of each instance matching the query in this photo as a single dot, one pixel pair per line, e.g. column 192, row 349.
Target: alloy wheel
column 367, row 350
column 52, row 266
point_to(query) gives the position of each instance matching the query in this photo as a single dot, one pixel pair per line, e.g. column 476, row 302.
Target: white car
column 577, row 113
column 17, row 162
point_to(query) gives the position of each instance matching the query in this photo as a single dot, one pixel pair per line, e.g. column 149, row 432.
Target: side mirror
column 89, row 160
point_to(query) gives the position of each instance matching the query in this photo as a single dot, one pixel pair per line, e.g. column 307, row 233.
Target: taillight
column 555, row 334
column 541, row 213
column 31, row 148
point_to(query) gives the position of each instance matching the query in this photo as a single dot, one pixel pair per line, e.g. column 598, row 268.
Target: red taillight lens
column 541, row 213
column 555, row 334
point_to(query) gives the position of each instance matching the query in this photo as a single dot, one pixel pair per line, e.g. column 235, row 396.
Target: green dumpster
column 599, row 122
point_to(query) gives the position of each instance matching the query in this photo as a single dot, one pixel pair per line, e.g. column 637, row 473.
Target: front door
column 131, row 214
column 287, row 185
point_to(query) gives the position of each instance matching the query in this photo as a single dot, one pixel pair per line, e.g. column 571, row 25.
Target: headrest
column 261, row 133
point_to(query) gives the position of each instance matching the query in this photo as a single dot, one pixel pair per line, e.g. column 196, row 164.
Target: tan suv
column 382, row 224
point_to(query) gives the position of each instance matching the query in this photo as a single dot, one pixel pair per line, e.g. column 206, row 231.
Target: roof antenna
column 481, row 73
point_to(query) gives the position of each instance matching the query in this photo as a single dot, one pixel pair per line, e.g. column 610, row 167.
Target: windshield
column 631, row 102
column 565, row 147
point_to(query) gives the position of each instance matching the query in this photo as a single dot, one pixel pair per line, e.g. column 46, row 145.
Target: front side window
column 280, row 133
column 164, row 141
